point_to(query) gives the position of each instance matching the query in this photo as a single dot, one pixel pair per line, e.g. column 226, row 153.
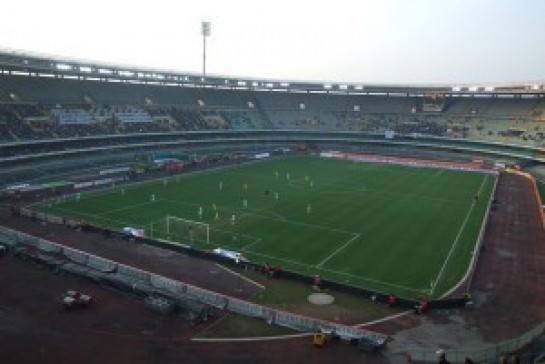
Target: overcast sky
column 381, row 41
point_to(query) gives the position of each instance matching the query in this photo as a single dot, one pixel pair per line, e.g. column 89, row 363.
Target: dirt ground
column 118, row 328
column 509, row 284
column 508, row 291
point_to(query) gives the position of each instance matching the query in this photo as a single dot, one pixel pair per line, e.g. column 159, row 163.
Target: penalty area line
column 308, row 266
column 241, row 276
column 95, row 216
column 376, row 281
column 329, row 257
column 360, row 278
column 256, row 241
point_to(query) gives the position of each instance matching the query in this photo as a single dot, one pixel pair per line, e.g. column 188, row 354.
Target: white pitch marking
column 319, row 265
column 337, row 272
column 241, row 276
column 90, row 215
column 438, row 173
column 257, row 241
column 460, row 231
column 129, row 207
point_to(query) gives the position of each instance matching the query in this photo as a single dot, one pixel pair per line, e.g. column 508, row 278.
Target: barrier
column 29, row 241
column 81, row 262
column 101, row 264
column 126, row 283
column 75, row 255
column 74, row 268
column 8, row 241
column 133, row 273
column 53, row 219
column 247, row 308
column 49, row 247
column 297, row 322
column 211, row 298
column 164, row 284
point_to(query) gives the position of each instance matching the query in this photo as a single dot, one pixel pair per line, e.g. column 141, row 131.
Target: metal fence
column 142, row 281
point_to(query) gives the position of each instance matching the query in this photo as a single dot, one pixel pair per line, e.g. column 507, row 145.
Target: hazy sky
column 381, row 41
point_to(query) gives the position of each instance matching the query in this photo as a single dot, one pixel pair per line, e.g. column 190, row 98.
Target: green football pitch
column 404, row 230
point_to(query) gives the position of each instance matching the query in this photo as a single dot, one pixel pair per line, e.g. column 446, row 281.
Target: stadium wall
column 21, row 152
column 17, row 162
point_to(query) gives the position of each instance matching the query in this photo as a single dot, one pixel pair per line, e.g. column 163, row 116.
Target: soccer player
column 233, row 219
column 276, row 174
column 214, row 207
column 245, row 187
column 288, row 176
column 311, row 184
column 245, row 203
column 276, row 196
column 200, row 212
column 309, row 209
column 78, row 196
column 217, row 216
column 220, row 185
column 152, row 198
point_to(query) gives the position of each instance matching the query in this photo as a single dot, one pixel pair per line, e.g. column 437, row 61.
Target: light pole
column 206, row 31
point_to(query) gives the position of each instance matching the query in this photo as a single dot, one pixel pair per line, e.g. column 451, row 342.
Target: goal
column 178, row 229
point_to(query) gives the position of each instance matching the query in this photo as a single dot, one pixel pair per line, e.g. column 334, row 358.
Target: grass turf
column 405, row 230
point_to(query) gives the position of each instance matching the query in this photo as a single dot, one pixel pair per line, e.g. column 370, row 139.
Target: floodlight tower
column 206, row 31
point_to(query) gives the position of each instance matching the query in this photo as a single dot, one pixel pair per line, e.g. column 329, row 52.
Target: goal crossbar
column 172, row 219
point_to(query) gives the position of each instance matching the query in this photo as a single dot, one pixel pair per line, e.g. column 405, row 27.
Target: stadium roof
column 23, row 63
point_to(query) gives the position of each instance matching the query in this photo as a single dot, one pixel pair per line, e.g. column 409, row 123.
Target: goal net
column 178, row 229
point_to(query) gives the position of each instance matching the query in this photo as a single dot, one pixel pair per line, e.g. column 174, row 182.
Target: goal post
column 186, row 229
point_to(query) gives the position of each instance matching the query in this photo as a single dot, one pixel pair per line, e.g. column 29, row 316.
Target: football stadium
column 155, row 216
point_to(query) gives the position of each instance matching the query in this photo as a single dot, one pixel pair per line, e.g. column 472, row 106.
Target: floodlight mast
column 206, row 31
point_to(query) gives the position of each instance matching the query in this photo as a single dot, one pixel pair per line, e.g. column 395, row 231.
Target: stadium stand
column 35, row 121
column 70, row 104
column 104, row 113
